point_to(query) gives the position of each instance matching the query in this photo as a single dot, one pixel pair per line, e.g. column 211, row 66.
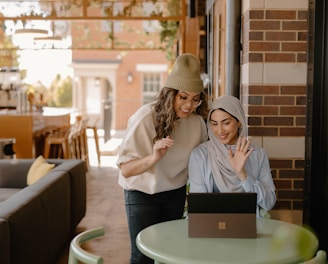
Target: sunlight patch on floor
column 108, row 149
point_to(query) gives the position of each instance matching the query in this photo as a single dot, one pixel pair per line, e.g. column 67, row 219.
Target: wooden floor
column 105, row 208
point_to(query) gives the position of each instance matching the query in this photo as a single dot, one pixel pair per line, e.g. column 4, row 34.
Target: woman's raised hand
column 238, row 159
column 161, row 146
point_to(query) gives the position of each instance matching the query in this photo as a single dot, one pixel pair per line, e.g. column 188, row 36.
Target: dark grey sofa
column 37, row 221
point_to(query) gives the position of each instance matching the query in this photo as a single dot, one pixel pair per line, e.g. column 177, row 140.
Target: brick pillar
column 273, row 89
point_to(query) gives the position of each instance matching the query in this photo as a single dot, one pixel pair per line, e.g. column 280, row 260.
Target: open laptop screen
column 231, row 215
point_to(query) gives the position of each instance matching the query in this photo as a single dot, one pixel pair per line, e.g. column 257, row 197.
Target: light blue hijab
column 224, row 177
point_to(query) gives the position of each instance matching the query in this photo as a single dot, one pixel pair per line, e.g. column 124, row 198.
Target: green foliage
column 301, row 240
column 169, row 28
column 61, row 92
column 168, row 37
column 58, row 95
column 8, row 53
column 304, row 239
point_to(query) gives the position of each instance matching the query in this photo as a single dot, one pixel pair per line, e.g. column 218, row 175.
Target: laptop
column 225, row 215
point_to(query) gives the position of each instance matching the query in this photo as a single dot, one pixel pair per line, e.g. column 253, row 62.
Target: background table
column 22, row 126
column 168, row 242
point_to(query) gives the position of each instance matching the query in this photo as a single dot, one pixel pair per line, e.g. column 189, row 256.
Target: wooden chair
column 39, row 139
column 94, row 129
column 59, row 139
column 74, row 148
column 77, row 254
column 319, row 258
column 81, row 141
column 69, row 142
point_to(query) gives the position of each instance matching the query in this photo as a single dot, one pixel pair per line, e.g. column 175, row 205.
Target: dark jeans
column 144, row 210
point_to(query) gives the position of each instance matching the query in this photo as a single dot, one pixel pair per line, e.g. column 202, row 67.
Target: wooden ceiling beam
column 66, row 10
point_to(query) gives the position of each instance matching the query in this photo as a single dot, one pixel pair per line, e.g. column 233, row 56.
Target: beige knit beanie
column 185, row 75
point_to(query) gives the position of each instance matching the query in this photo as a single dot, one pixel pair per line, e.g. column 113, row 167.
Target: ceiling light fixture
column 31, row 32
column 49, row 40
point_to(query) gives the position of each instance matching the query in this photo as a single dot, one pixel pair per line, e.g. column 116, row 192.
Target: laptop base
column 229, row 225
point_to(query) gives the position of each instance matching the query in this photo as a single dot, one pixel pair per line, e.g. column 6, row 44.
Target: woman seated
column 228, row 162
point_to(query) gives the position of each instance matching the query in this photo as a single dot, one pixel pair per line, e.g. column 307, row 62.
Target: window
column 151, row 86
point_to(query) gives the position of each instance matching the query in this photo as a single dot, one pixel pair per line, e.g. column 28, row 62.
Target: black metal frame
column 315, row 209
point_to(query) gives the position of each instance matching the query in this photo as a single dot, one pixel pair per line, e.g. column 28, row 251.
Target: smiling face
column 224, row 126
column 185, row 103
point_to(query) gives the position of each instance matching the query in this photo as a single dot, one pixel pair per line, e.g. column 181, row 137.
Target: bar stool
column 73, row 139
column 83, row 141
column 78, row 139
column 69, row 143
column 58, row 142
column 39, row 138
column 94, row 129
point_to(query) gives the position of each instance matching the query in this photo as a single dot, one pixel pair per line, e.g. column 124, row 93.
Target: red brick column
column 274, row 53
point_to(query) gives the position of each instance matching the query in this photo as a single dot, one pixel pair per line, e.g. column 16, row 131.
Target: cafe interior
column 270, row 54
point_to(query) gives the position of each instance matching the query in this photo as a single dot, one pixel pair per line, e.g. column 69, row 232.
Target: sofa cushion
column 13, row 173
column 38, row 169
column 6, row 193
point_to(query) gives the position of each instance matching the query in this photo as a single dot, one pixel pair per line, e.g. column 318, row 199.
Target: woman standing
column 228, row 162
column 154, row 153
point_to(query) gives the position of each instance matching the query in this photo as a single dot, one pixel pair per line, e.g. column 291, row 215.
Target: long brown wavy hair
column 165, row 117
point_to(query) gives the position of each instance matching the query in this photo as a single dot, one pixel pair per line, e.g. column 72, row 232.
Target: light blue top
column 259, row 178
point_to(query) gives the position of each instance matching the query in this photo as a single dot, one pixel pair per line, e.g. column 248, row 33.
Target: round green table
column 168, row 242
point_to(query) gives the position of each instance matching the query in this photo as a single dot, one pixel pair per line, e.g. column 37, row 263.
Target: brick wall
column 274, row 92
column 275, row 36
